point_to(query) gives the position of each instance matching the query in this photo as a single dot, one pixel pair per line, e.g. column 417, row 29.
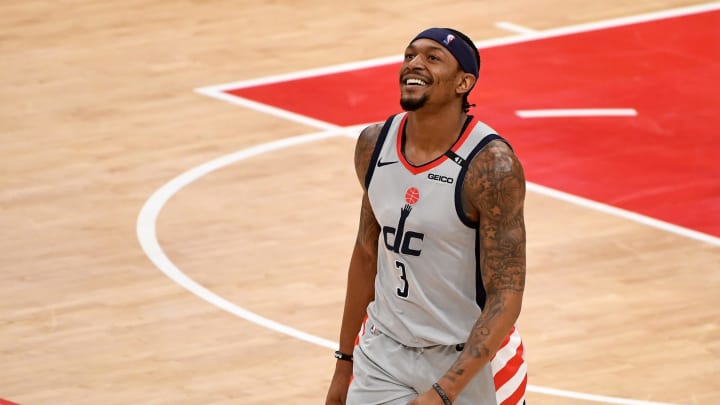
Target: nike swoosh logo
column 381, row 163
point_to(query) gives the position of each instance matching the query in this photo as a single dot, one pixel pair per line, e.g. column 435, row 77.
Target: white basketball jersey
column 428, row 289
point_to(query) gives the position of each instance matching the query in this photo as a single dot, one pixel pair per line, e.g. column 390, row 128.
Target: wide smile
column 412, row 83
column 415, row 82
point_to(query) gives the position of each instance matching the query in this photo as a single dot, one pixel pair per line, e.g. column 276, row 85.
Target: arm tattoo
column 368, row 228
column 498, row 193
column 493, row 194
column 363, row 150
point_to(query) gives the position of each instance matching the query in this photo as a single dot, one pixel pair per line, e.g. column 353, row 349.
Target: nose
column 415, row 62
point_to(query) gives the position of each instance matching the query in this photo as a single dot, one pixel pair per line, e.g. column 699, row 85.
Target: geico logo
column 437, row 177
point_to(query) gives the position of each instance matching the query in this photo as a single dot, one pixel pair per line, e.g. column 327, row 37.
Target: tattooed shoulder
column 494, row 180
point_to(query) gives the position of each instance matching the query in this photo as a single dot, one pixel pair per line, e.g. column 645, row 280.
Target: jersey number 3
column 402, row 291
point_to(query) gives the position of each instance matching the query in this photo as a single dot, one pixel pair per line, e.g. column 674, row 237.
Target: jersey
column 428, row 288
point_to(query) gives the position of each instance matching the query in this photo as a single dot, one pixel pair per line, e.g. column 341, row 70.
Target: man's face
column 429, row 74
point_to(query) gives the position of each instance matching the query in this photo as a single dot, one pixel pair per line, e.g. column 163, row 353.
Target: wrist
column 343, row 369
column 442, row 394
column 343, row 356
column 452, row 388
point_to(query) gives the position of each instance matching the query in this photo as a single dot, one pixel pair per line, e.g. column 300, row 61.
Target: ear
column 465, row 83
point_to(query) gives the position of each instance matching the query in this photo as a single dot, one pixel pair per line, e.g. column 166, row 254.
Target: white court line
column 629, row 215
column 265, row 108
column 147, row 233
column 147, row 236
column 489, row 43
column 518, row 29
column 577, row 112
column 592, row 398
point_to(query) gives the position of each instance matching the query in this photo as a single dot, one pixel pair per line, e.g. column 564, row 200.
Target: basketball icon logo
column 412, row 195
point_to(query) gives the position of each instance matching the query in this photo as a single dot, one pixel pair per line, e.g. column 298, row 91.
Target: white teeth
column 415, row 82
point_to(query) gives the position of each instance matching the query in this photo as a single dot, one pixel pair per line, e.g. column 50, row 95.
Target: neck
column 429, row 134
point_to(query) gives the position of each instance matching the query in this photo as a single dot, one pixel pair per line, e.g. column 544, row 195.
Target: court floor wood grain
column 97, row 112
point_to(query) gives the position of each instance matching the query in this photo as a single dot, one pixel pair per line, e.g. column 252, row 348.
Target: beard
column 409, row 104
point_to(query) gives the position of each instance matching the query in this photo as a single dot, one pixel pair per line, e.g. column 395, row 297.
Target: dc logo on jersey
column 402, row 240
column 448, row 39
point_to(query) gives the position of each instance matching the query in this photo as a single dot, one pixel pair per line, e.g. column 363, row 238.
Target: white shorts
column 387, row 372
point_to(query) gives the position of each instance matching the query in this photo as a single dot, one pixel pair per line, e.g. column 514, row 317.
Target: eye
column 409, row 56
column 433, row 58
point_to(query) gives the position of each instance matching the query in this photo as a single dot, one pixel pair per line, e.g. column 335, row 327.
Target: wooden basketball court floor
column 225, row 285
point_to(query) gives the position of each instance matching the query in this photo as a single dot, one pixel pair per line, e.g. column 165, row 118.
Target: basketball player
column 436, row 278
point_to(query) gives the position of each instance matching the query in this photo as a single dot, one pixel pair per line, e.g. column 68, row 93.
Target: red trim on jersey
column 6, row 402
column 519, row 393
column 436, row 162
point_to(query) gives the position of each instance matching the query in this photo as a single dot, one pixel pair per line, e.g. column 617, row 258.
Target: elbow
column 509, row 301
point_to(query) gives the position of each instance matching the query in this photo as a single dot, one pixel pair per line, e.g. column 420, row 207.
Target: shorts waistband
column 458, row 347
column 374, row 330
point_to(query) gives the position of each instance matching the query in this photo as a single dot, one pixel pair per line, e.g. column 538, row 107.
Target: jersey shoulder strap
column 391, row 124
column 482, row 135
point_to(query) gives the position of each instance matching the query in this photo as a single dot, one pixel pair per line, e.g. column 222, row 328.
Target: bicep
column 368, row 228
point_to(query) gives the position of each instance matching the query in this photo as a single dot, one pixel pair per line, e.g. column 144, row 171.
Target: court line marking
column 147, row 233
column 512, row 27
column 214, row 90
column 146, row 230
column 625, row 214
column 267, row 109
column 577, row 112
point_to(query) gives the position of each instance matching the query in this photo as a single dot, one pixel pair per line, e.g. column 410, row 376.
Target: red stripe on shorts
column 510, row 369
column 518, row 395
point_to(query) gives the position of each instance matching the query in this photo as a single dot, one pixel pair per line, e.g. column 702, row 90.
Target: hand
column 427, row 398
column 337, row 393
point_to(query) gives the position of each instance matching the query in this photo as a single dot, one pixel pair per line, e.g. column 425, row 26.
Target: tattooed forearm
column 478, row 346
column 476, row 343
column 455, row 372
column 481, row 344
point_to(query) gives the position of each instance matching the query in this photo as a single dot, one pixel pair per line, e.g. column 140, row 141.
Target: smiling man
column 437, row 274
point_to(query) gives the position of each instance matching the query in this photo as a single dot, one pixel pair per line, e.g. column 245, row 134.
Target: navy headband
column 455, row 45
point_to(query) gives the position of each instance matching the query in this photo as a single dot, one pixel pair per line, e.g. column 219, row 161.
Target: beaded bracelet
column 442, row 394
